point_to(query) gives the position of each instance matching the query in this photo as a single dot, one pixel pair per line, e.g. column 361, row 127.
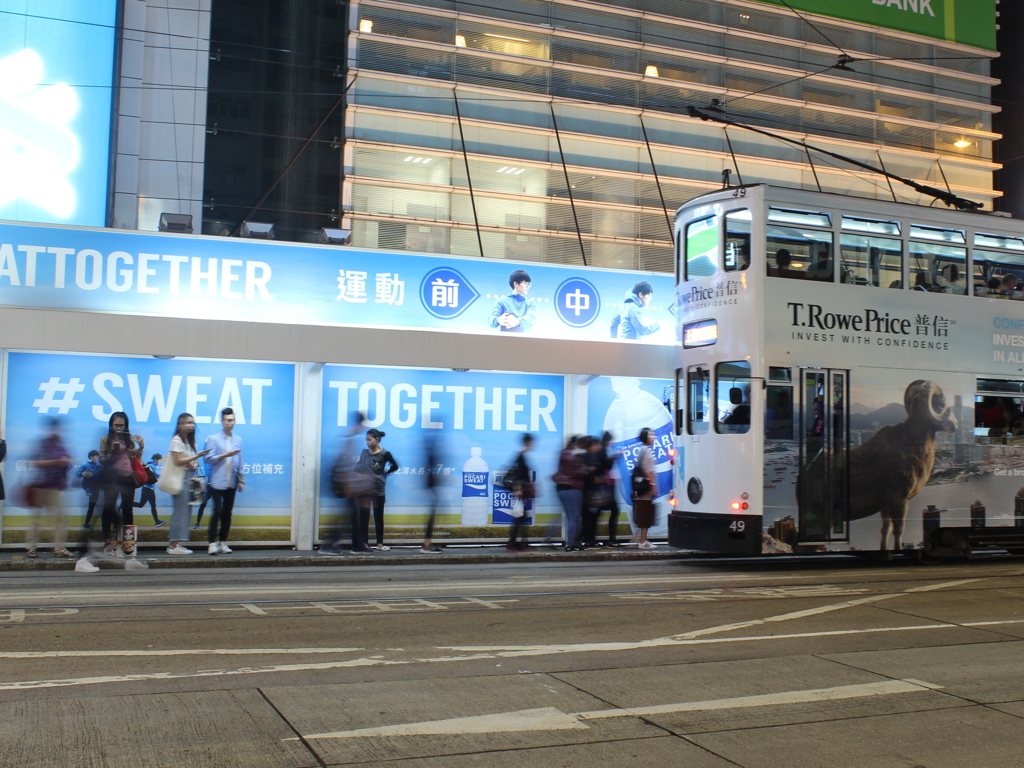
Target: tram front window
column 732, row 411
column 799, row 254
column 872, row 261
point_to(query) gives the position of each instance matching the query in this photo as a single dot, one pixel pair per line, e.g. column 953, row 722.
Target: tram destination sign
column 217, row 278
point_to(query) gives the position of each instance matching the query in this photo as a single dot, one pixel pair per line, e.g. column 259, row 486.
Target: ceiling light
column 460, row 41
column 651, row 71
column 365, row 25
column 503, row 169
column 962, row 144
column 520, row 171
column 414, row 159
column 506, row 37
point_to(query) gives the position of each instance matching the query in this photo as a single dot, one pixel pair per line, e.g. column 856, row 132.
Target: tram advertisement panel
column 915, row 439
column 232, row 279
column 82, row 391
column 623, row 406
column 458, row 430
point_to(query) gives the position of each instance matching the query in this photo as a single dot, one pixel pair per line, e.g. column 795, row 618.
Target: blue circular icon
column 577, row 302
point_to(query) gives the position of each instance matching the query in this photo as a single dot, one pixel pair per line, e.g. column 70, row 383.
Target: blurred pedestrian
column 379, row 463
column 609, row 457
column 520, row 478
column 207, row 495
column 433, row 481
column 343, row 486
column 117, row 448
column 51, row 461
column 224, row 460
column 147, row 494
column 3, row 455
column 176, row 478
column 90, row 474
column 569, row 487
column 595, row 490
column 643, row 482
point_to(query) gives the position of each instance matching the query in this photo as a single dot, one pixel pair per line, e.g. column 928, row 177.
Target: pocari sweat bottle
column 476, row 502
column 632, row 410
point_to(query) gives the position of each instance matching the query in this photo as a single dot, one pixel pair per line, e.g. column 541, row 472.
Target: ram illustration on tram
column 850, row 377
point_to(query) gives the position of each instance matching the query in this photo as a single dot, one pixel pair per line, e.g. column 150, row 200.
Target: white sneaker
column 225, row 549
column 85, row 565
column 179, row 550
column 131, row 564
column 382, row 548
column 646, row 545
column 213, row 549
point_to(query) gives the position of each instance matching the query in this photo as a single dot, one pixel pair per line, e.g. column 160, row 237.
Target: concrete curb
column 300, row 560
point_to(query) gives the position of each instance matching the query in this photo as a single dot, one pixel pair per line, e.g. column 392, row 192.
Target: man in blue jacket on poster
column 514, row 313
column 629, row 322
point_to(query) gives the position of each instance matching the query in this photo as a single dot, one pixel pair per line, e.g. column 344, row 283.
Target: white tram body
column 851, row 376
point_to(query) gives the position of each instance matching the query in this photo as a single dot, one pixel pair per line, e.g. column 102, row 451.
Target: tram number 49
column 738, row 525
column 739, row 192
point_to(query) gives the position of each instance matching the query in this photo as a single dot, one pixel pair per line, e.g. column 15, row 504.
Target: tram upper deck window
column 698, row 400
column 998, row 274
column 799, row 254
column 869, row 226
column 872, row 261
column 732, row 409
column 938, row 268
column 702, row 248
column 737, row 240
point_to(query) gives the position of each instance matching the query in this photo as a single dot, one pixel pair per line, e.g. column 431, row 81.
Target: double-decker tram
column 850, row 377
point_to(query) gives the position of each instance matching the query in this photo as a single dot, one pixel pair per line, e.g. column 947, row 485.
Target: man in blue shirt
column 90, row 474
column 629, row 322
column 225, row 477
column 147, row 494
column 514, row 313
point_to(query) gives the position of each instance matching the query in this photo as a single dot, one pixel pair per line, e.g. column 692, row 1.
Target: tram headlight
column 694, row 490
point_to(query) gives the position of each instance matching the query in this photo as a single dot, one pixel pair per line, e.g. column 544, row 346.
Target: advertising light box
column 56, row 86
column 476, row 421
column 232, row 279
column 82, row 391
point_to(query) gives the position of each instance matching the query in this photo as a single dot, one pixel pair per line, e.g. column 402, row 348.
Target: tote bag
column 172, row 478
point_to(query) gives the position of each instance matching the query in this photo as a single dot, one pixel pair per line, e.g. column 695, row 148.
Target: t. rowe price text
column 815, row 316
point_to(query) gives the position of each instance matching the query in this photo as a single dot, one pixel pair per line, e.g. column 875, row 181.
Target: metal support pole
column 568, row 186
column 469, row 179
column 657, row 181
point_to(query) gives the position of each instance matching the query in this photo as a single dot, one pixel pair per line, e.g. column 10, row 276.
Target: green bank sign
column 968, row 22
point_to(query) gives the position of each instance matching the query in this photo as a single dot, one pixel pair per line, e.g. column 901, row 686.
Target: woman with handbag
column 118, row 449
column 179, row 469
column 643, row 489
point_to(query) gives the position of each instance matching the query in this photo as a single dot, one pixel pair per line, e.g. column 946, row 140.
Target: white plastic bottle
column 476, row 502
column 632, row 410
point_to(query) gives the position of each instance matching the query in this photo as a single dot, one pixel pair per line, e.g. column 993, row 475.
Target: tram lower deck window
column 732, row 411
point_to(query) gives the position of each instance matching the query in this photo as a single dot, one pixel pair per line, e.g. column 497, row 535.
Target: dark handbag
column 139, row 471
column 150, row 475
column 599, row 497
column 640, row 482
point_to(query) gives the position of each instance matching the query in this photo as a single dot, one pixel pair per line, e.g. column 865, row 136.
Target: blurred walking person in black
column 519, row 479
column 433, row 480
column 51, row 462
column 343, row 485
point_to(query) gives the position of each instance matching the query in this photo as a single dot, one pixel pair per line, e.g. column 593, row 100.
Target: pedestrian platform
column 261, row 557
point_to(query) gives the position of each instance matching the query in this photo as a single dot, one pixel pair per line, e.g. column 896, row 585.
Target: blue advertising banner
column 82, row 391
column 623, row 406
column 476, row 420
column 56, row 85
column 233, row 279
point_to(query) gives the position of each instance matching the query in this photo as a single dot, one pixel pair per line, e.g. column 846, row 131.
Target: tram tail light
column 738, row 505
column 672, row 500
column 672, row 452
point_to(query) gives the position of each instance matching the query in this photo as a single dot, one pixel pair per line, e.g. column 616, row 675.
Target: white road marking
column 551, row 719
column 991, row 623
column 931, row 587
column 180, row 652
column 17, row 615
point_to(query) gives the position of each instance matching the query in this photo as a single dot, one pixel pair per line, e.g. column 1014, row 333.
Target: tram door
column 822, row 495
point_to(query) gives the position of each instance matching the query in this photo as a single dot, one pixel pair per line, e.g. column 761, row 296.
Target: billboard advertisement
column 232, row 279
column 623, row 406
column 968, row 22
column 56, row 89
column 477, row 419
column 82, row 391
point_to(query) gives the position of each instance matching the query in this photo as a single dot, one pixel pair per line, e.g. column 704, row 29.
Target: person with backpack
column 343, row 485
column 519, row 479
column 643, row 484
column 569, row 487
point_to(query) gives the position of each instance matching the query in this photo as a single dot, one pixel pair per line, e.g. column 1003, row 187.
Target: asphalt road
column 829, row 662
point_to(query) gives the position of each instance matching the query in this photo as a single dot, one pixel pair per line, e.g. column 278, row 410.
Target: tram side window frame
column 730, row 261
column 698, row 400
